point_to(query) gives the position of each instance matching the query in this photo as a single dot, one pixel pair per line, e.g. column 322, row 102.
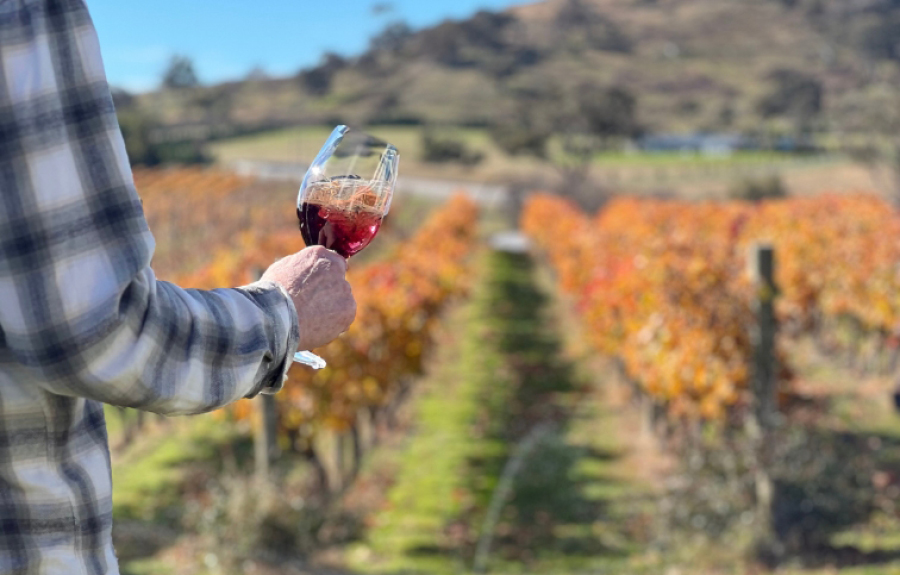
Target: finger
column 317, row 251
column 335, row 258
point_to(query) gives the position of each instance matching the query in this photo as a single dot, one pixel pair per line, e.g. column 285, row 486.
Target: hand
column 315, row 280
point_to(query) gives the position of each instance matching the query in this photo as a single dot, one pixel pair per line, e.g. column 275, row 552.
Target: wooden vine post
column 764, row 373
column 265, row 444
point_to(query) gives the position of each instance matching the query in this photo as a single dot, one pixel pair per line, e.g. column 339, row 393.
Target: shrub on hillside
column 758, row 189
column 438, row 149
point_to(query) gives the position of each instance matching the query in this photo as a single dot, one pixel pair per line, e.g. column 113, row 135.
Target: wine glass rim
column 343, row 129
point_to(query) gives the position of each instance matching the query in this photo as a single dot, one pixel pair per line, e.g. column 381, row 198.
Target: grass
column 429, row 489
column 152, row 475
column 572, row 503
column 147, row 477
column 145, row 567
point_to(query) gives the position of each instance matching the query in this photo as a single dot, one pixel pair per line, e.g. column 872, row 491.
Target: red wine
column 345, row 231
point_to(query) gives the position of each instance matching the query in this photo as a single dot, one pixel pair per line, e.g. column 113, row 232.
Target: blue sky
column 226, row 38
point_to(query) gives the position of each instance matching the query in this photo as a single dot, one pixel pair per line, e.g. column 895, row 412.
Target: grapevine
column 398, row 307
column 662, row 284
column 399, row 300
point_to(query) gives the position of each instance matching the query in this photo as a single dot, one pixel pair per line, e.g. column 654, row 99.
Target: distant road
column 485, row 194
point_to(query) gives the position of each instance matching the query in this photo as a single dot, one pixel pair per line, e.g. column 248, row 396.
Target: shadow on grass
column 549, row 515
column 832, row 483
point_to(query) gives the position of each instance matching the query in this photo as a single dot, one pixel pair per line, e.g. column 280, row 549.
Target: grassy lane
column 429, row 490
column 572, row 506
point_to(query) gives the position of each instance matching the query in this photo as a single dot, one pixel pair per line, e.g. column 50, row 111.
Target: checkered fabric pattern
column 83, row 319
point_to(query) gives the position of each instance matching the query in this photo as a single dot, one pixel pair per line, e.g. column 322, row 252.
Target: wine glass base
column 310, row 359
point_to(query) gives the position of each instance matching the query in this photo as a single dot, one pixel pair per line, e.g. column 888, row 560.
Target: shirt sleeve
column 80, row 307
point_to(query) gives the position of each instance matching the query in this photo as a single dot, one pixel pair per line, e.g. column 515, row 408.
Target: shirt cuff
column 284, row 333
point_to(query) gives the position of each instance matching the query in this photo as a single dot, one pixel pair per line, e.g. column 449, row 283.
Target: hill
column 741, row 65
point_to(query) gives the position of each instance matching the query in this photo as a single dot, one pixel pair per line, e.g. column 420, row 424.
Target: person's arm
column 80, row 307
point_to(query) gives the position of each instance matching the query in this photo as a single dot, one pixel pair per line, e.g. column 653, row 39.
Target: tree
column 180, row 74
column 585, row 120
column 439, row 147
column 146, row 150
column 380, row 8
column 121, row 98
column 317, row 81
column 143, row 143
column 597, row 118
column 582, row 27
column 392, row 39
column 608, row 112
column 876, row 116
column 881, row 39
column 136, row 129
column 257, row 74
column 527, row 129
column 467, row 43
column 795, row 96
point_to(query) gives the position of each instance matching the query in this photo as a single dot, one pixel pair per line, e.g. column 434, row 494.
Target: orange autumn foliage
column 216, row 229
column 663, row 286
column 399, row 302
column 657, row 285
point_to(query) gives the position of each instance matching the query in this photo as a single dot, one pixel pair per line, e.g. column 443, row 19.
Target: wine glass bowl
column 345, row 195
column 347, row 191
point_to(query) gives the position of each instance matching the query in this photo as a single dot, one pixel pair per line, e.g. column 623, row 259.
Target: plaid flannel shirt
column 83, row 319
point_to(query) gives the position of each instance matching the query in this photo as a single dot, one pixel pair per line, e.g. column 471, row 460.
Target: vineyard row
column 662, row 285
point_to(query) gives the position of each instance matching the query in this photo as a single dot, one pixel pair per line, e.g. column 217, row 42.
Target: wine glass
column 344, row 197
